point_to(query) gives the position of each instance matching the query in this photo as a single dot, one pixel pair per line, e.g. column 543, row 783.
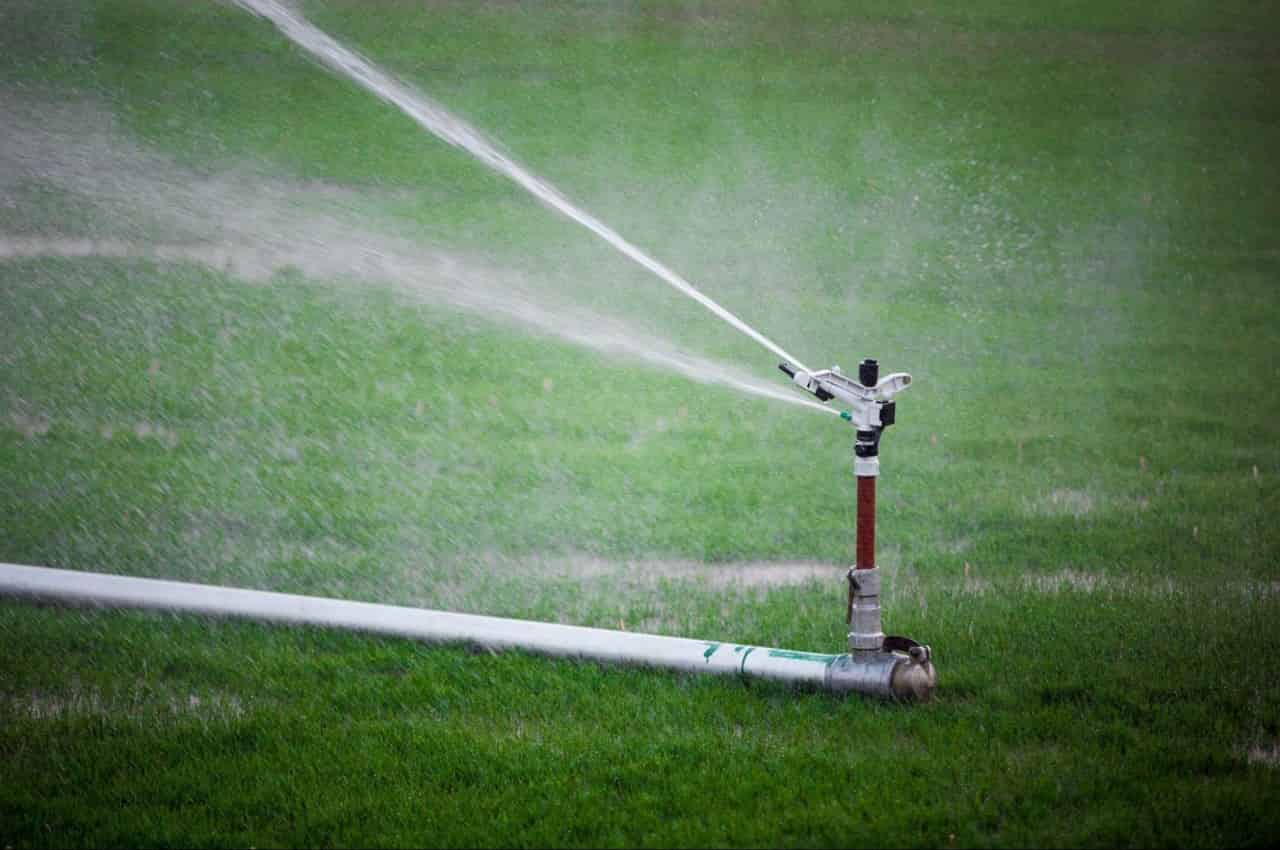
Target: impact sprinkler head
column 868, row 397
column 890, row 665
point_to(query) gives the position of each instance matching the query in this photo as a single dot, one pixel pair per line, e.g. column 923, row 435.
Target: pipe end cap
column 915, row 678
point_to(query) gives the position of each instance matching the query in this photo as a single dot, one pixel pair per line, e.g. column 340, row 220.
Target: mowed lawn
column 1062, row 222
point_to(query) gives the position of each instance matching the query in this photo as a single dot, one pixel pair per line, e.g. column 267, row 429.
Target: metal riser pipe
column 837, row 673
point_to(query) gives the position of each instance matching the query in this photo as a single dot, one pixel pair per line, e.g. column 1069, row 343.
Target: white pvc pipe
column 834, row 672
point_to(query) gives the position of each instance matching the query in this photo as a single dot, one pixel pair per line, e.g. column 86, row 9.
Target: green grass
column 1063, row 223
column 180, row 732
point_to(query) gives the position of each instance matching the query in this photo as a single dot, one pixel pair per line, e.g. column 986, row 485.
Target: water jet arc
column 438, row 121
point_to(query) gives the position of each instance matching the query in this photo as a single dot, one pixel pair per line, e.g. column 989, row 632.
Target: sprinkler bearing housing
column 890, row 666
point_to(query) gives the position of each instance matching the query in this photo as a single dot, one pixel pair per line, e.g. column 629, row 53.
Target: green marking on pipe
column 802, row 656
column 711, row 650
column 743, row 667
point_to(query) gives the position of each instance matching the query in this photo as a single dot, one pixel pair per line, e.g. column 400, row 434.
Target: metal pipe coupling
column 865, row 632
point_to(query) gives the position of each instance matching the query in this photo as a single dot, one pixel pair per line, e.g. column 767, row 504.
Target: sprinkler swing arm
column 898, row 665
column 831, row 383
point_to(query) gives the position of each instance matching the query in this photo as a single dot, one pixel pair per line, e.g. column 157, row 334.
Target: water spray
column 447, row 127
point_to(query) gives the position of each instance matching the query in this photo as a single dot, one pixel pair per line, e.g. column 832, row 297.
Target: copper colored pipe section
column 866, row 522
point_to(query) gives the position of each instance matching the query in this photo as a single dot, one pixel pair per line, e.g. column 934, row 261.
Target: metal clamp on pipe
column 863, row 615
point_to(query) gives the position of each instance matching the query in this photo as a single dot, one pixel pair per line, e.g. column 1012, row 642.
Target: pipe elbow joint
column 908, row 677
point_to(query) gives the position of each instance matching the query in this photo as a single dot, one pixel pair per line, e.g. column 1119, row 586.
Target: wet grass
column 1063, row 225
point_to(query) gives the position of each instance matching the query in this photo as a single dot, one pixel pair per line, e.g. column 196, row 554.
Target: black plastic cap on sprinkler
column 819, row 391
column 869, row 372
